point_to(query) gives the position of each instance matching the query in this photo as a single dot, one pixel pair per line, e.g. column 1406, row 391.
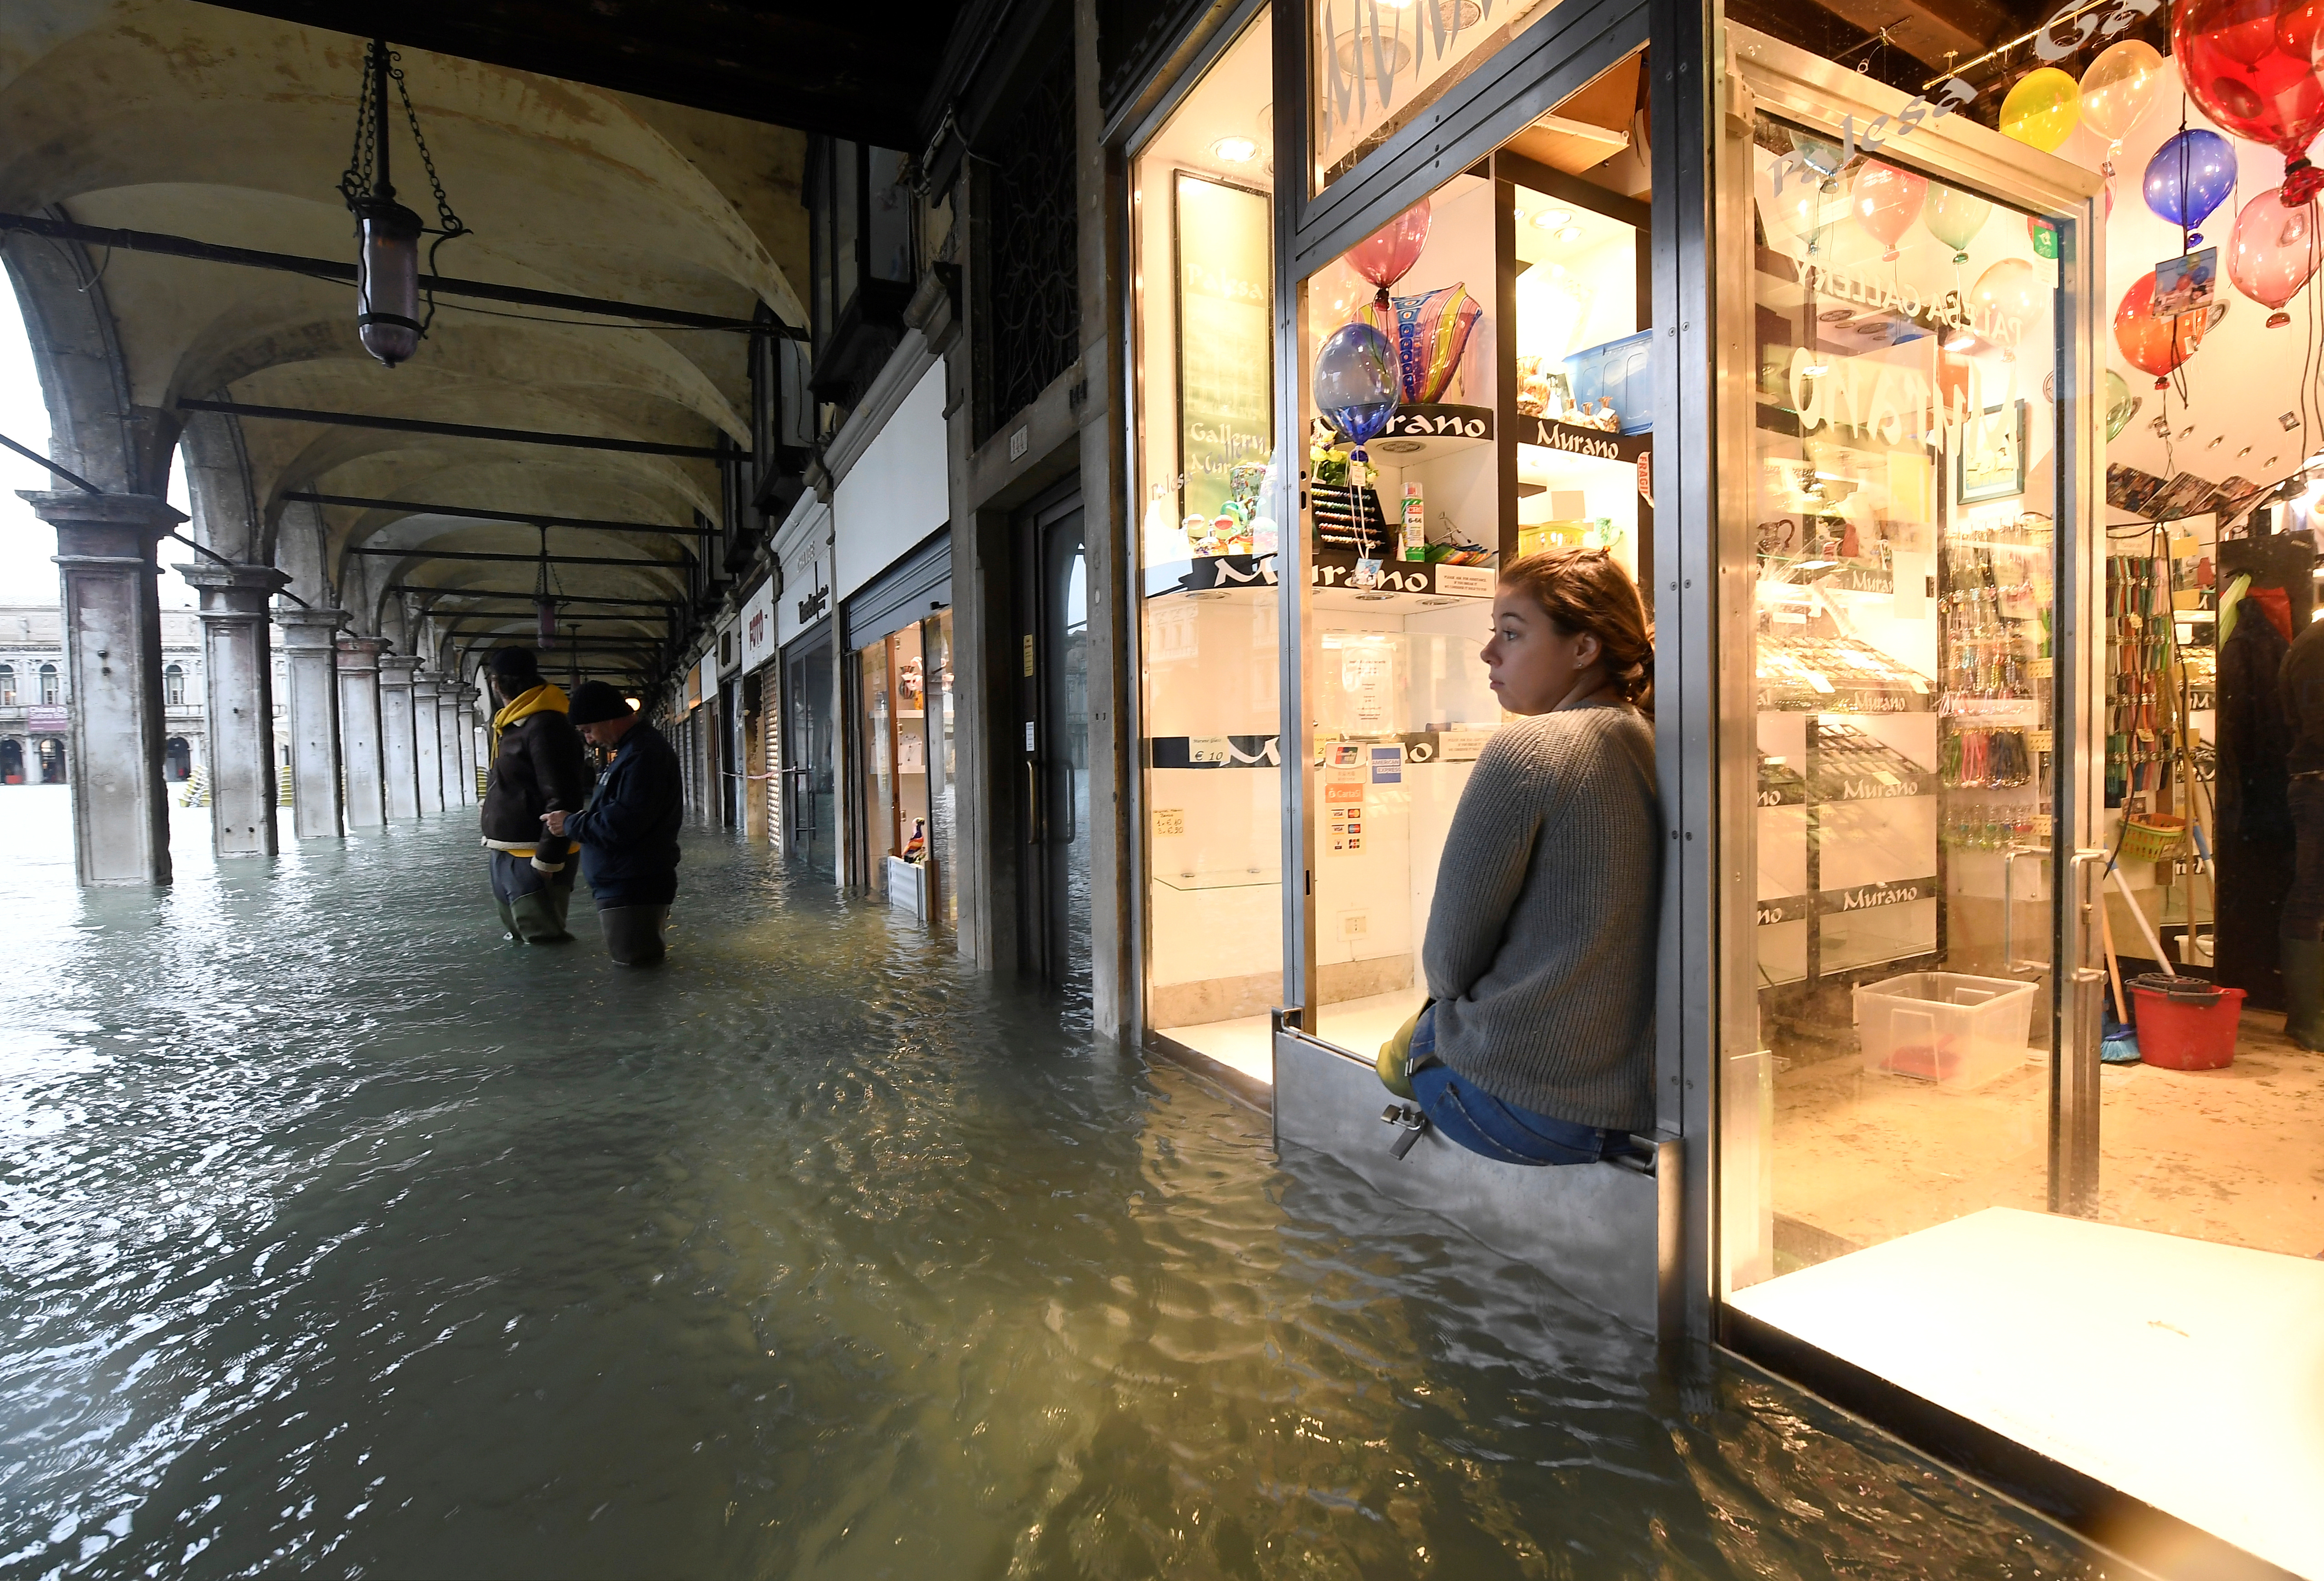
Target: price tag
column 2041, row 669
column 2040, row 741
column 1169, row 821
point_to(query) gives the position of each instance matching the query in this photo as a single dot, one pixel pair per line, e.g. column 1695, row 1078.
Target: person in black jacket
column 628, row 833
column 538, row 766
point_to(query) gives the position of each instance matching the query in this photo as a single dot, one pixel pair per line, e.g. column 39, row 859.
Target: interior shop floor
column 2186, row 1374
column 2235, row 1155
column 1358, row 1025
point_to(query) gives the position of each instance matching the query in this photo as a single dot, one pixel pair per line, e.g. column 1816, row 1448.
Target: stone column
column 397, row 743
column 450, row 713
column 361, row 749
column 428, row 739
column 238, row 702
column 310, row 653
column 466, row 718
column 105, row 546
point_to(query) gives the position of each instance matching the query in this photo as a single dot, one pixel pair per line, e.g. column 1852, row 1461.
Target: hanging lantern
column 387, row 317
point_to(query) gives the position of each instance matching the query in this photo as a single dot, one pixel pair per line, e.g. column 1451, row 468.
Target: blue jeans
column 1464, row 1113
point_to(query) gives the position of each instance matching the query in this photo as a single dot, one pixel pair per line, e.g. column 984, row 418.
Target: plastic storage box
column 1945, row 1027
column 1622, row 371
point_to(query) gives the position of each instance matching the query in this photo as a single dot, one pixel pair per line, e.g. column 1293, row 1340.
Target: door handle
column 1032, row 802
column 2009, row 961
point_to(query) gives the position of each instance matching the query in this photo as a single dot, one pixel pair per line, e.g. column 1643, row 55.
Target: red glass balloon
column 1388, row 254
column 2250, row 66
column 2156, row 345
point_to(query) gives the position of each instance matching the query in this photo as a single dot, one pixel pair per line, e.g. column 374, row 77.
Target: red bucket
column 2185, row 1023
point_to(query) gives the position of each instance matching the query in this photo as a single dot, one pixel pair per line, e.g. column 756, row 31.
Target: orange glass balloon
column 2156, row 345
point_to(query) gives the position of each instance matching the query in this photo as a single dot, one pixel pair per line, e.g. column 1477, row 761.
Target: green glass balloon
column 2121, row 404
column 1954, row 217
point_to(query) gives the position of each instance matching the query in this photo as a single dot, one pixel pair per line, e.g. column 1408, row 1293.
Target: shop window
column 1209, row 647
column 12, row 761
column 49, row 684
column 52, row 760
column 810, row 784
column 8, row 686
column 906, row 713
column 1376, row 65
column 173, row 686
column 1511, row 302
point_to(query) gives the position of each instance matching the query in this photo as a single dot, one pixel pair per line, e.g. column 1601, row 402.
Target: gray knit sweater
column 1541, row 941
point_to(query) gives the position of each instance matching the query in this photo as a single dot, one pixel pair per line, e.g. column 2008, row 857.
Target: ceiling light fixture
column 1236, row 150
column 387, row 234
column 1551, row 218
column 1569, row 235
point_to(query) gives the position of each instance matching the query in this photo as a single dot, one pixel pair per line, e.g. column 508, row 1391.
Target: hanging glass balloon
column 1886, row 201
column 2250, row 66
column 2156, row 345
column 2121, row 405
column 2189, row 176
column 1954, row 217
column 2274, row 252
column 2041, row 108
column 2119, row 89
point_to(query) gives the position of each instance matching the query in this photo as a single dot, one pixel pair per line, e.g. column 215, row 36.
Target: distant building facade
column 36, row 698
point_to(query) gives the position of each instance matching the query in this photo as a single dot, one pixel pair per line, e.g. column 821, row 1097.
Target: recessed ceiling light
column 1571, row 234
column 1551, row 218
column 1236, row 150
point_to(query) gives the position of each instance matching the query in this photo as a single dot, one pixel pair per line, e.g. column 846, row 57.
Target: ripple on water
column 340, row 1236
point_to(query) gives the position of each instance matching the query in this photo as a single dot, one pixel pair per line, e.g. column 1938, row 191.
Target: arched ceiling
column 229, row 128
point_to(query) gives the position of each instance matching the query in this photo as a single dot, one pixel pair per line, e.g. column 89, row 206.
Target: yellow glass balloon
column 2119, row 86
column 2041, row 111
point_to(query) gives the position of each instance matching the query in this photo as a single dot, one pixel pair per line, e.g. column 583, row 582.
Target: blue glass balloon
column 2189, row 176
column 1357, row 385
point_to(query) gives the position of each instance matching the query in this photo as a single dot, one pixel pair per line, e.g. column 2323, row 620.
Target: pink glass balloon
column 1388, row 254
column 2274, row 252
column 1886, row 201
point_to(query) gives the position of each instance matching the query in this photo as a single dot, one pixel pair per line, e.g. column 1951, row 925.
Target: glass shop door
column 1902, row 1057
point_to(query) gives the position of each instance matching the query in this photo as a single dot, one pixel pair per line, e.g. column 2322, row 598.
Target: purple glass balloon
column 2189, row 176
column 1357, row 385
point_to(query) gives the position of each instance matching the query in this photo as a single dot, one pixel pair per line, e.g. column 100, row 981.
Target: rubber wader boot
column 633, row 934
column 507, row 921
column 2303, row 992
column 541, row 915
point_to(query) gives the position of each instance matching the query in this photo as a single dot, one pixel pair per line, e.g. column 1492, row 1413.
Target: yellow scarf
column 543, row 698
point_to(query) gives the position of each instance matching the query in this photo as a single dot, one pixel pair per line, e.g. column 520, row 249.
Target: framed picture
column 1990, row 465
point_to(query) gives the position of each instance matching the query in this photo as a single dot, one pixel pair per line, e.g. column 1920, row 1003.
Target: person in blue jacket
column 628, row 832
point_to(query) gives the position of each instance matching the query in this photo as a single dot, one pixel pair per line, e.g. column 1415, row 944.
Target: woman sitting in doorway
column 1537, row 1044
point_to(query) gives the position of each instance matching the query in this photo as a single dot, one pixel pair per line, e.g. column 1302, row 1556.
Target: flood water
column 340, row 1237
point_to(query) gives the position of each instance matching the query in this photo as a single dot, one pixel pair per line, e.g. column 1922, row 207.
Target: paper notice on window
column 1206, row 749
column 1169, row 822
column 1365, row 674
column 1461, row 743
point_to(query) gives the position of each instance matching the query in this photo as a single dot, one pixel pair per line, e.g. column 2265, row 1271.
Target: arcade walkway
column 339, row 1235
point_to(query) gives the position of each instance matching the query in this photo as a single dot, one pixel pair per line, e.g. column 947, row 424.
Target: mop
column 2118, row 1032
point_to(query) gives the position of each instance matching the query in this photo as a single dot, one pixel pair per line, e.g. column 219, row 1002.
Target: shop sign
column 1897, row 405
column 1949, row 311
column 47, row 717
column 759, row 626
column 1600, row 443
column 1952, row 94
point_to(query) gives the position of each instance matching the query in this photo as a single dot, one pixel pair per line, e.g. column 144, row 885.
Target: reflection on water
column 339, row 1236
